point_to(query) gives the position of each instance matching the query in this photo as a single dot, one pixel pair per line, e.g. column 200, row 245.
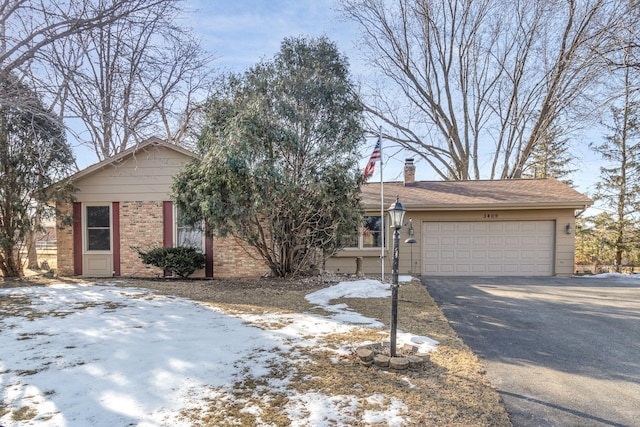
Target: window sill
column 351, row 252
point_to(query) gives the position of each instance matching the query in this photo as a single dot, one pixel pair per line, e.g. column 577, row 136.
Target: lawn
column 260, row 352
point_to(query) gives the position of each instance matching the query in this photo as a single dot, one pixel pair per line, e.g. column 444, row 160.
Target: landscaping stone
column 365, row 354
column 378, row 354
column 381, row 360
column 423, row 356
column 415, row 362
column 408, row 348
column 399, row 363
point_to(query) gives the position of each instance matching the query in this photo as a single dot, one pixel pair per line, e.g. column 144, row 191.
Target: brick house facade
column 501, row 227
column 131, row 190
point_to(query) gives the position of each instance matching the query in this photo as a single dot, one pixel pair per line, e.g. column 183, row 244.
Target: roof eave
column 153, row 141
column 494, row 206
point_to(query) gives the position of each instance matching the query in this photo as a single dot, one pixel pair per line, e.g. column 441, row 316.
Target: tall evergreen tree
column 619, row 185
column 33, row 155
column 278, row 164
column 550, row 158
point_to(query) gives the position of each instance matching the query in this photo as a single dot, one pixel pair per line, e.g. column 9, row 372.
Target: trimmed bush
column 182, row 260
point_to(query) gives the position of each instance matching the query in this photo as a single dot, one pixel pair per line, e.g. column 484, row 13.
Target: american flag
column 375, row 156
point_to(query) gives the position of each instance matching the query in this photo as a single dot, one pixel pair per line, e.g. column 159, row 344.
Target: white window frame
column 85, row 230
column 360, row 244
column 175, row 231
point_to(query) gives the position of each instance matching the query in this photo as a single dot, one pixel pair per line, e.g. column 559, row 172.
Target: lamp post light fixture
column 396, row 217
column 411, row 241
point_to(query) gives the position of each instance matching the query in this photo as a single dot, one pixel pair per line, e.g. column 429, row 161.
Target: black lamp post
column 396, row 216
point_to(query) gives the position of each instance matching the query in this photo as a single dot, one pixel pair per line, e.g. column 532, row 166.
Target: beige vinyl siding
column 145, row 176
column 344, row 261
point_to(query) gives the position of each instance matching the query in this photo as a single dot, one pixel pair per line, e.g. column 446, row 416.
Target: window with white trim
column 98, row 228
column 370, row 234
column 188, row 234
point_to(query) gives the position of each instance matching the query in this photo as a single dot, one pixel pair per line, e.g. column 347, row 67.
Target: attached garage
column 514, row 227
column 499, row 248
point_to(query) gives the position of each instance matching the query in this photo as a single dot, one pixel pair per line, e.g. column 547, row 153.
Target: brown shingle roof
column 496, row 194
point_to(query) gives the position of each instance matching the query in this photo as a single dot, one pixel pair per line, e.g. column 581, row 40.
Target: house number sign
column 490, row 216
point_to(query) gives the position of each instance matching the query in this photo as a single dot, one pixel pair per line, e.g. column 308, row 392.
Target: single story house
column 122, row 204
column 506, row 227
column 515, row 227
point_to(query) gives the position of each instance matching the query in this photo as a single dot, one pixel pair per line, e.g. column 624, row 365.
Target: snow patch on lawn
column 81, row 355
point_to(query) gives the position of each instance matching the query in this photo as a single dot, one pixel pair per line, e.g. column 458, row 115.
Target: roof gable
column 478, row 194
column 132, row 151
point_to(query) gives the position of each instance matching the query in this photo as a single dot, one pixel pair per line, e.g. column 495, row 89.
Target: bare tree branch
column 482, row 81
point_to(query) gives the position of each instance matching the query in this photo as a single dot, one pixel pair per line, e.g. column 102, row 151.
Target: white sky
column 105, row 356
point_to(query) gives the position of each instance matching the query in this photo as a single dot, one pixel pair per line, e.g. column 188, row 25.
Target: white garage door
column 496, row 248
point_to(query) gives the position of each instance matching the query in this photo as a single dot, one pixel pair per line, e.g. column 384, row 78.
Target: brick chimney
column 409, row 172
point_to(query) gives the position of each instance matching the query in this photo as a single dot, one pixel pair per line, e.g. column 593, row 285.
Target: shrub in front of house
column 183, row 261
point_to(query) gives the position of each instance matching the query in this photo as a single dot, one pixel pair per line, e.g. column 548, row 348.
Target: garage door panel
column 494, row 269
column 489, row 248
column 447, row 256
column 462, row 268
column 463, row 241
column 447, row 268
column 530, row 227
column 477, row 227
column 478, row 268
column 510, row 269
column 512, row 256
column 463, row 227
column 511, row 241
column 512, row 227
column 449, row 228
column 496, row 241
column 447, row 241
column 479, row 240
column 493, row 227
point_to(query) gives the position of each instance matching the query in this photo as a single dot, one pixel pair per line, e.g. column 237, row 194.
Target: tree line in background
column 501, row 89
column 476, row 89
column 108, row 72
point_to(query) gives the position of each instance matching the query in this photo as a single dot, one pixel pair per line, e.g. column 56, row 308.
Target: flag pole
column 383, row 229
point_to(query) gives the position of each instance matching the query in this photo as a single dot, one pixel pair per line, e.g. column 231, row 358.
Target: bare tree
column 132, row 78
column 28, row 26
column 482, row 82
column 33, row 156
column 31, row 31
column 619, row 185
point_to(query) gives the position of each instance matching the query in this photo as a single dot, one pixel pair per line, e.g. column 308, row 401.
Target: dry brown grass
column 451, row 390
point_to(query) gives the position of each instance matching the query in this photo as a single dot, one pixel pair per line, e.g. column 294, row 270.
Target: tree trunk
column 32, row 253
column 12, row 265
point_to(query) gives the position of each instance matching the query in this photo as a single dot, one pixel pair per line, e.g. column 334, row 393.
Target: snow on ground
column 86, row 355
column 612, row 276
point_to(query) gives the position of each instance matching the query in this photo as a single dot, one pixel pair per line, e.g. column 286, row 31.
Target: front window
column 370, row 234
column 98, row 228
column 187, row 234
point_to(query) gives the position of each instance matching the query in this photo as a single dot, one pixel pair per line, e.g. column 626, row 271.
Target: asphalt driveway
column 560, row 351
